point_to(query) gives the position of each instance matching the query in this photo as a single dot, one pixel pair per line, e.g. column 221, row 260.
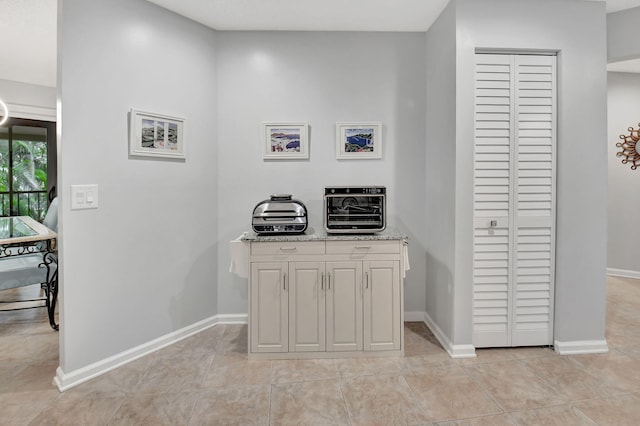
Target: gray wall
column 440, row 169
column 550, row 25
column 153, row 258
column 144, row 263
column 581, row 231
column 623, row 251
column 623, row 33
column 320, row 78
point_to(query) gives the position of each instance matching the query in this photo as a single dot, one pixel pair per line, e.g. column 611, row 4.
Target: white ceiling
column 28, row 27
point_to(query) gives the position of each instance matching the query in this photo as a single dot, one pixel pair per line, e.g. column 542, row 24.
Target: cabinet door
column 344, row 306
column 269, row 307
column 306, row 307
column 381, row 292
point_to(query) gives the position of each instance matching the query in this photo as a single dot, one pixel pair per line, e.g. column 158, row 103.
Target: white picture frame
column 358, row 140
column 285, row 140
column 156, row 135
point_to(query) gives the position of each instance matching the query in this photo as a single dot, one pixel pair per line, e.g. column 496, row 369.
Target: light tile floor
column 206, row 380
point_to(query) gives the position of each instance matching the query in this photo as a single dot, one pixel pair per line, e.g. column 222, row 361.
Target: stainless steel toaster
column 280, row 214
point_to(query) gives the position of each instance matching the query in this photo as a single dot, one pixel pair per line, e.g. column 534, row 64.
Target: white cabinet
column 344, row 306
column 313, row 299
column 269, row 325
column 306, row 307
column 381, row 306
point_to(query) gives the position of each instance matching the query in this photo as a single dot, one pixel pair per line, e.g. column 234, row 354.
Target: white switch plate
column 84, row 197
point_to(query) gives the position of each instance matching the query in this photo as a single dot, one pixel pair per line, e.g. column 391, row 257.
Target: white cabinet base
column 326, row 355
column 326, row 299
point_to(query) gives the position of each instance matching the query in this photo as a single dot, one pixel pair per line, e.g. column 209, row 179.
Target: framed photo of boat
column 358, row 141
column 286, row 140
column 156, row 135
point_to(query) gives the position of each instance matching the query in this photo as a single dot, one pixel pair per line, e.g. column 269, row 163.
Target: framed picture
column 156, row 135
column 288, row 141
column 358, row 141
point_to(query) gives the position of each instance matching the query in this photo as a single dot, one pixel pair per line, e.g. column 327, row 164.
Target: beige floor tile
column 615, row 368
column 159, row 409
column 120, row 382
column 569, row 380
column 619, row 411
column 421, row 347
column 316, row 402
column 172, row 375
column 288, row 371
column 447, row 393
column 17, row 348
column 14, row 414
column 562, row 415
column 9, row 396
column 513, row 386
column 248, row 405
column 34, row 377
column 495, row 420
column 352, row 367
column 424, row 362
column 534, row 382
column 234, row 339
column 228, row 359
column 532, row 352
column 381, row 400
column 86, row 412
column 239, row 375
column 489, row 355
column 206, row 341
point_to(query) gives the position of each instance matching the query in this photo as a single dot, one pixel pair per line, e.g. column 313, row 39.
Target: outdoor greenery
column 29, row 183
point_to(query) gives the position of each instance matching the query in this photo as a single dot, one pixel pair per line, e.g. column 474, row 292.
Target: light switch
column 84, row 197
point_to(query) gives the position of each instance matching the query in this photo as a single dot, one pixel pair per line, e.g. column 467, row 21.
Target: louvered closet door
column 514, row 200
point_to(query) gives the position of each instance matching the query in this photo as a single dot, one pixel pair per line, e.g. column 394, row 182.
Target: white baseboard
column 65, row 381
column 581, row 347
column 454, row 351
column 623, row 273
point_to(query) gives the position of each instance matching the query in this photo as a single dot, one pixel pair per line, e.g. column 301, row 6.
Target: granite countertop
column 313, row 234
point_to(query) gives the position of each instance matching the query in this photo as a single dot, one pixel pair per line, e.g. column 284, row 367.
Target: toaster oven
column 355, row 210
column 280, row 214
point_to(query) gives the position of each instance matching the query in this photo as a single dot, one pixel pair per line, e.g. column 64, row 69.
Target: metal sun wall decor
column 630, row 148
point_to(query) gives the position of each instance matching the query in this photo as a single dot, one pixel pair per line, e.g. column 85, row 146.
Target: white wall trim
column 581, row 347
column 454, row 351
column 65, row 381
column 623, row 273
column 32, row 112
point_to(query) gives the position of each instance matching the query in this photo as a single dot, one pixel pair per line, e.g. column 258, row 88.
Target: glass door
column 27, row 167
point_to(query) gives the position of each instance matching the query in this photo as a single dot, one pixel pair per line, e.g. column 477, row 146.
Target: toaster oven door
column 354, row 213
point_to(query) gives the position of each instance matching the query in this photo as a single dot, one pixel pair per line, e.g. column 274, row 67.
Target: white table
column 22, row 235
